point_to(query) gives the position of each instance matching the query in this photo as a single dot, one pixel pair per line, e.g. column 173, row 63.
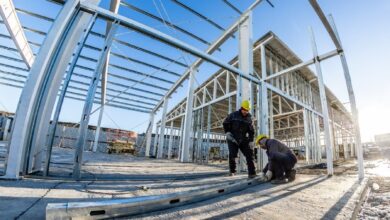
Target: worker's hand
column 262, row 177
column 268, row 175
column 229, row 137
column 252, row 145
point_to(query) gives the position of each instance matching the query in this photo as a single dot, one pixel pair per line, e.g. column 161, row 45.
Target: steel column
column 161, row 141
column 306, row 134
column 89, row 102
column 211, row 49
column 20, row 140
column 352, row 100
column 67, row 80
column 245, row 62
column 264, row 128
column 156, row 140
column 325, row 112
column 187, row 119
column 170, row 141
column 114, row 6
column 180, row 138
column 208, row 133
column 149, row 134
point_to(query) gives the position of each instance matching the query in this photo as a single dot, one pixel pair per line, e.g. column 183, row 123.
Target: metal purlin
column 88, row 104
column 61, row 98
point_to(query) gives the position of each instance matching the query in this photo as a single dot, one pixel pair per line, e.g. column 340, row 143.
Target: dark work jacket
column 275, row 146
column 241, row 127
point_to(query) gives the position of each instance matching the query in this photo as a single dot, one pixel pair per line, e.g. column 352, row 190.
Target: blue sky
column 364, row 28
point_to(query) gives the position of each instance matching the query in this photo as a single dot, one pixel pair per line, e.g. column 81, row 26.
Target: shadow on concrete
column 339, row 205
column 235, row 212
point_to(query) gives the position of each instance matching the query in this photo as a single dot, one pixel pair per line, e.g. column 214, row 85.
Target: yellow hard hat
column 261, row 136
column 246, row 105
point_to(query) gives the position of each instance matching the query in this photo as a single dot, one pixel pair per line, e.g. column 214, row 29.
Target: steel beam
column 148, row 31
column 325, row 22
column 86, row 45
column 165, row 22
column 11, row 21
column 210, row 50
column 352, row 101
column 232, row 6
column 198, row 14
column 83, row 99
column 304, row 64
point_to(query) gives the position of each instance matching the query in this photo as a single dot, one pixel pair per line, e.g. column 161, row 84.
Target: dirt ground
column 377, row 201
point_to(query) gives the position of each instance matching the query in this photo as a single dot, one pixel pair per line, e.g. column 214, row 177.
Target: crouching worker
column 281, row 161
column 239, row 135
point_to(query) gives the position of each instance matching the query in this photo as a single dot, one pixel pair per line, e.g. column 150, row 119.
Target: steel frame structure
column 297, row 104
column 289, row 101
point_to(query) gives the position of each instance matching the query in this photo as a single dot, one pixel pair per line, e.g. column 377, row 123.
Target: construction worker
column 281, row 160
column 239, row 135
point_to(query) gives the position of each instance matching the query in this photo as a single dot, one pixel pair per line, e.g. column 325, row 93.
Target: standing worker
column 239, row 135
column 281, row 160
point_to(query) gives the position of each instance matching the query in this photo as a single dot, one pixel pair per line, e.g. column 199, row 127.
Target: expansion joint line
column 38, row 200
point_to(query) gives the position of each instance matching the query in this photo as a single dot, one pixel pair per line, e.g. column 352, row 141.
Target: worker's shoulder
column 234, row 114
column 273, row 142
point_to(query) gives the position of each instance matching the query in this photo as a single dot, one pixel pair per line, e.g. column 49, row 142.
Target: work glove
column 268, row 175
column 229, row 137
column 262, row 177
column 252, row 145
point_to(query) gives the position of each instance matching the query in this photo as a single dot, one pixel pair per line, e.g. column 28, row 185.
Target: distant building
column 6, row 119
column 382, row 139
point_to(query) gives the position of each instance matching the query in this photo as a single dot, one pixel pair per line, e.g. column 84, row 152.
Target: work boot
column 251, row 176
column 291, row 175
column 232, row 174
column 279, row 181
